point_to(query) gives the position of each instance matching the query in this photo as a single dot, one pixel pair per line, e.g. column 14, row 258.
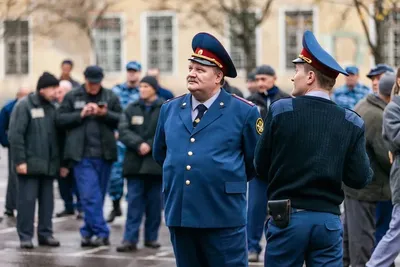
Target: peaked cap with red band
column 208, row 51
column 317, row 57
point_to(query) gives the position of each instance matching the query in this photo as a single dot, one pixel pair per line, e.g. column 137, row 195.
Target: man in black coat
column 136, row 128
column 90, row 115
column 34, row 144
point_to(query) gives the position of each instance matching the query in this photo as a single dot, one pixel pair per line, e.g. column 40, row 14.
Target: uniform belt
column 294, row 210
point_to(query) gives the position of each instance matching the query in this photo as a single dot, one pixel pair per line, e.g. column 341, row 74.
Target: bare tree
column 14, row 10
column 239, row 13
column 382, row 15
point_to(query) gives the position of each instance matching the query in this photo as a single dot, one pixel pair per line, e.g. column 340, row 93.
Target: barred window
column 16, row 40
column 391, row 40
column 296, row 22
column 108, row 44
column 160, row 42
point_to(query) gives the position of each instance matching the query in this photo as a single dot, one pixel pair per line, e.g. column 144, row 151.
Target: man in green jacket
column 34, row 144
column 362, row 203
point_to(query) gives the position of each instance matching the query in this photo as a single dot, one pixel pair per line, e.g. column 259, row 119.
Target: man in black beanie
column 35, row 152
column 137, row 128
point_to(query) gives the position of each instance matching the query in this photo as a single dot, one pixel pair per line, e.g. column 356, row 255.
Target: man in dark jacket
column 137, row 127
column 35, row 153
column 267, row 93
column 5, row 115
column 362, row 203
column 90, row 114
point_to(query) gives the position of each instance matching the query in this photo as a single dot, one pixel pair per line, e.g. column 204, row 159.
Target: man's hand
column 116, row 135
column 102, row 111
column 144, row 149
column 390, row 157
column 22, row 168
column 89, row 109
column 64, row 172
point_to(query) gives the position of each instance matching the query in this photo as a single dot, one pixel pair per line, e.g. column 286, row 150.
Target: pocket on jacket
column 235, row 187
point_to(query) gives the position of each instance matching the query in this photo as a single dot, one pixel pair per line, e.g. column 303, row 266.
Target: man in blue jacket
column 205, row 141
column 5, row 115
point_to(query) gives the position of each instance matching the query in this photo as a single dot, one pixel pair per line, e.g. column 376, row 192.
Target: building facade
column 132, row 30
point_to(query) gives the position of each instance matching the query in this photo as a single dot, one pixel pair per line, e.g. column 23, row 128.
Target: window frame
column 122, row 19
column 282, row 31
column 145, row 40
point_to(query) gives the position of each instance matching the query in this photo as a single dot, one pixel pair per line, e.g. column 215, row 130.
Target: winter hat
column 47, row 80
column 386, row 83
column 265, row 70
column 150, row 80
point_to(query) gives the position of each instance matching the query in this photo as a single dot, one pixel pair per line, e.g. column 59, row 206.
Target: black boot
column 115, row 212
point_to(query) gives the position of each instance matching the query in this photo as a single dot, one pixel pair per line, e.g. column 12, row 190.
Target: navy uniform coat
column 206, row 169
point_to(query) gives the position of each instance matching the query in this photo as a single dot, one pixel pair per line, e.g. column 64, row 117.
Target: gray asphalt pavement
column 70, row 254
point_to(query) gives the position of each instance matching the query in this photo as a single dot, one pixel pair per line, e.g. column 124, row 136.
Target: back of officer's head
column 323, row 81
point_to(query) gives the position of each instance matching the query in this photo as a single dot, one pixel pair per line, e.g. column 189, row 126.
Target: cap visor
column 203, row 62
column 135, row 69
column 94, row 80
column 298, row 60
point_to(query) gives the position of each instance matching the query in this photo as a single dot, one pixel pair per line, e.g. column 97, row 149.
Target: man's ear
column 310, row 77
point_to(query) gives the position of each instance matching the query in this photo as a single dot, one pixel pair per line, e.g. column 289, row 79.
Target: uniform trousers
column 389, row 247
column 116, row 183
column 32, row 188
column 205, row 247
column 144, row 197
column 311, row 237
column 92, row 175
column 12, row 185
column 256, row 213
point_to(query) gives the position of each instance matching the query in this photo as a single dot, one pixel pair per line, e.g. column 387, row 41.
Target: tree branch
column 265, row 12
column 364, row 25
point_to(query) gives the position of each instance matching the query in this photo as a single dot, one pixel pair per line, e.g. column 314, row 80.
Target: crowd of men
column 90, row 139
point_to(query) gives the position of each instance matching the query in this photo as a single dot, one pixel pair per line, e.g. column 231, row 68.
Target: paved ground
column 70, row 254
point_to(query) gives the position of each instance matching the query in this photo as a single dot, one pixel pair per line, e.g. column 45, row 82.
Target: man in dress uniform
column 308, row 148
column 205, row 141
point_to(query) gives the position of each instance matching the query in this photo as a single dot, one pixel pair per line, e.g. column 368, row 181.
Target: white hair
column 65, row 84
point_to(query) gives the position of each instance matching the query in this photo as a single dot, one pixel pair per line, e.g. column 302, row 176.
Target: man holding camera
column 90, row 115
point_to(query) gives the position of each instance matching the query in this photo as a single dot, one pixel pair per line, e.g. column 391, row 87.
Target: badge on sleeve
column 137, row 120
column 259, row 126
column 37, row 113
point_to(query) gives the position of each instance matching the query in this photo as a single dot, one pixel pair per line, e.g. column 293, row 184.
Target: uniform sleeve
column 251, row 133
column 357, row 172
column 113, row 112
column 67, row 116
column 159, row 144
column 4, row 121
column 128, row 137
column 19, row 121
column 262, row 153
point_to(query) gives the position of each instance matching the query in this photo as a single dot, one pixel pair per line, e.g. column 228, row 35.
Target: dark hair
column 396, row 87
column 67, row 61
column 324, row 81
column 216, row 71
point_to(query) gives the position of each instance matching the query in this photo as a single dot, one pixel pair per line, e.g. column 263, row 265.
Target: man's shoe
column 65, row 213
column 152, row 244
column 116, row 211
column 9, row 213
column 100, row 241
column 253, row 257
column 49, row 242
column 79, row 216
column 86, row 242
column 127, row 247
column 26, row 244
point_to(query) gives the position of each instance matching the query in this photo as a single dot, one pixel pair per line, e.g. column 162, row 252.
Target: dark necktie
column 201, row 109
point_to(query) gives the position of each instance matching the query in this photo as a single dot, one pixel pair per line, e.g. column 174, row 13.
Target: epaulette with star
column 243, row 100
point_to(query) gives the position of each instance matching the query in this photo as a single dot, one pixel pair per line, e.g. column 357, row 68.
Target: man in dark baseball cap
column 375, row 75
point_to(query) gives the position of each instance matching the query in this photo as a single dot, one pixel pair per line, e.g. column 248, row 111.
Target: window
column 391, row 40
column 16, row 40
column 296, row 22
column 160, row 42
column 108, row 45
column 236, row 48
